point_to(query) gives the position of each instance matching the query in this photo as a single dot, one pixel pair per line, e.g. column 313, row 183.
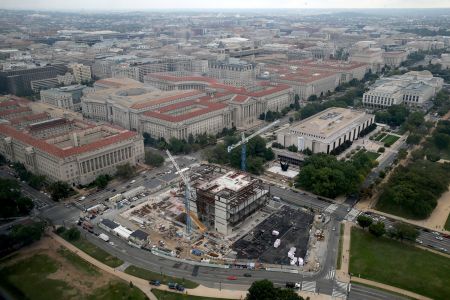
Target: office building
column 326, row 130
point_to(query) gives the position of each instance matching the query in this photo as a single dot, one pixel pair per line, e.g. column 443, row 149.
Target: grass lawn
column 399, row 264
column 341, row 244
column 372, row 155
column 97, row 253
column 389, row 140
column 447, row 223
column 165, row 295
column 27, row 279
column 118, row 291
column 78, row 262
column 149, row 275
column 380, row 136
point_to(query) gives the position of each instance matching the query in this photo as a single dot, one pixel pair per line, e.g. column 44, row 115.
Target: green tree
column 441, row 140
column 377, row 229
column 27, row 234
column 102, row 180
column 191, row 139
column 312, row 98
column 262, row 290
column 404, row 231
column 364, row 221
column 413, row 139
column 296, row 102
column 154, row 159
column 125, row 171
column 72, row 234
column 59, row 190
column 37, row 181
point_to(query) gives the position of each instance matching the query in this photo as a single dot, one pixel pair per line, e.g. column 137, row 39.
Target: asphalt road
column 426, row 237
column 66, row 214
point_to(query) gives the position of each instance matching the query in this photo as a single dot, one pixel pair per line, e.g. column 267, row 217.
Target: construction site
column 232, row 219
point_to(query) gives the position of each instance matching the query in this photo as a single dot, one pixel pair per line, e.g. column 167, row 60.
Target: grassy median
column 165, row 295
column 447, row 223
column 164, row 279
column 341, row 245
column 399, row 264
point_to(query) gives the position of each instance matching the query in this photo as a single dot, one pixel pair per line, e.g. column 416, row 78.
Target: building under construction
column 225, row 198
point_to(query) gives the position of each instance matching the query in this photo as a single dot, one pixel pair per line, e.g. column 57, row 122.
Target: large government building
column 176, row 106
column 414, row 89
column 64, row 149
column 327, row 130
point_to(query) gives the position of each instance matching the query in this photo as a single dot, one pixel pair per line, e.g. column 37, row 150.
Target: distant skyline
column 229, row 4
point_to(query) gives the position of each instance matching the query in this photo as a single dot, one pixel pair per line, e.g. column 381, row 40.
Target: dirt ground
column 79, row 279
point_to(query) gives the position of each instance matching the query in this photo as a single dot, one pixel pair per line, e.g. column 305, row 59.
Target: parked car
column 155, row 282
column 180, row 288
column 247, row 275
column 290, row 285
column 439, row 238
column 231, row 277
column 172, row 285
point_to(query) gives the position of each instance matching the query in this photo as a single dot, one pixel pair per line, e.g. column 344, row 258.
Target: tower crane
column 188, row 193
column 244, row 141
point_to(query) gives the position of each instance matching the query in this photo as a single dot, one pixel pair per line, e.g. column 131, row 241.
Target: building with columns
column 63, row 149
column 414, row 89
column 326, row 130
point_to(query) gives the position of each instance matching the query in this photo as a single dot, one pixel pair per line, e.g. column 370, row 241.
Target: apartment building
column 70, row 150
column 326, row 130
column 369, row 53
column 394, row 58
column 233, row 72
column 414, row 89
column 81, row 73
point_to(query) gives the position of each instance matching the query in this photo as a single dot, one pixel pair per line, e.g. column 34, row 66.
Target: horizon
column 176, row 5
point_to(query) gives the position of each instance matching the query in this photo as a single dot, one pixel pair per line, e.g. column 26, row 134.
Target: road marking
column 309, row 286
column 331, row 208
column 351, row 216
column 330, row 274
column 340, row 290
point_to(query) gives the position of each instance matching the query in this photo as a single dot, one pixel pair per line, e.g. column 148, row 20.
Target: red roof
column 165, row 99
column 240, row 98
column 14, row 111
column 54, row 150
column 34, row 117
column 207, row 107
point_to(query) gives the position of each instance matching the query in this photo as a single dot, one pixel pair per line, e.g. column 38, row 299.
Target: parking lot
column 293, row 226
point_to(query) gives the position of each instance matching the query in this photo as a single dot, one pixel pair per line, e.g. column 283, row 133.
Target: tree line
column 324, row 175
column 412, row 191
column 257, row 154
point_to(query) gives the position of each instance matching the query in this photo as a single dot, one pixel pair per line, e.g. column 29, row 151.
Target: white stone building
column 81, row 73
column 68, row 97
column 326, row 130
column 414, row 89
column 62, row 149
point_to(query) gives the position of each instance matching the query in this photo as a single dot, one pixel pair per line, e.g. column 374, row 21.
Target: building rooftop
column 326, row 123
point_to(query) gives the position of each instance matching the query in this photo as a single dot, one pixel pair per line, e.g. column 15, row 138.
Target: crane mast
column 187, row 193
column 244, row 141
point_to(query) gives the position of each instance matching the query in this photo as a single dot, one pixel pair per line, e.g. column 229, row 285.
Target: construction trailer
column 223, row 200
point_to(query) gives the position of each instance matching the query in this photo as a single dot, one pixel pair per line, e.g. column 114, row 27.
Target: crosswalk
column 351, row 216
column 309, row 286
column 330, row 274
column 331, row 208
column 340, row 290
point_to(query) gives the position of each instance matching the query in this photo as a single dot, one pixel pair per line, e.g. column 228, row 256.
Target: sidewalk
column 342, row 273
column 390, row 288
column 144, row 286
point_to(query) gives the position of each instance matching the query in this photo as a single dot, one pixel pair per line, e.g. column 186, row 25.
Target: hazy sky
column 176, row 4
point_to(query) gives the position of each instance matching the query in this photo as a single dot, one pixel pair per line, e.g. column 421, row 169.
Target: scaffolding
column 239, row 194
